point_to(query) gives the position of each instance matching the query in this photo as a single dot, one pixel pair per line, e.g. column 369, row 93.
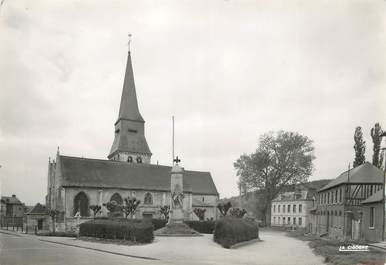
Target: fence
column 12, row 222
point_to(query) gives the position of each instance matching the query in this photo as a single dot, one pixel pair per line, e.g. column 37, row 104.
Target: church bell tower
column 130, row 144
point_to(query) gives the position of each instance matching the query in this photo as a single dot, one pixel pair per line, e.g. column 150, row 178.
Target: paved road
column 275, row 249
column 20, row 250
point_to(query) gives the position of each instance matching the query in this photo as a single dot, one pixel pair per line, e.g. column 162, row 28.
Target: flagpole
column 173, row 140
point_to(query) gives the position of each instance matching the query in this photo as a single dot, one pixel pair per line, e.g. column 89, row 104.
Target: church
column 76, row 183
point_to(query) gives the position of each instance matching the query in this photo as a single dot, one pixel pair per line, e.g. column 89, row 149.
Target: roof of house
column 376, row 197
column 96, row 173
column 290, row 195
column 366, row 173
column 10, row 200
column 38, row 209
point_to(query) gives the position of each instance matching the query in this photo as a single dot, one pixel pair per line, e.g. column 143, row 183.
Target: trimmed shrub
column 158, row 223
column 230, row 230
column 124, row 229
column 204, row 227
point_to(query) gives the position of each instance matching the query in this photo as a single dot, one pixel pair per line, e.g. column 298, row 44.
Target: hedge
column 204, row 227
column 125, row 229
column 159, row 223
column 230, row 230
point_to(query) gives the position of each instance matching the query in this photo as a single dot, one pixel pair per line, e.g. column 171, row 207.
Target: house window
column 81, row 204
column 274, row 220
column 300, row 221
column 148, row 199
column 130, row 159
column 328, row 198
column 294, row 220
column 288, row 208
column 294, row 208
column 274, row 208
column 139, row 160
column 289, row 220
column 283, row 208
column 372, row 210
column 278, row 208
column 340, row 195
column 336, row 196
column 283, row 220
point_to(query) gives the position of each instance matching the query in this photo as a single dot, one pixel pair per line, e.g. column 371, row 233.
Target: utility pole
column 383, row 195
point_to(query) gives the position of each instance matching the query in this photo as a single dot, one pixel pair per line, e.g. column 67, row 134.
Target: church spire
column 129, row 106
column 130, row 144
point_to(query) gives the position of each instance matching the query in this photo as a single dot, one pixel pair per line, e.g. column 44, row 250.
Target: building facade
column 74, row 183
column 372, row 218
column 11, row 211
column 339, row 212
column 292, row 209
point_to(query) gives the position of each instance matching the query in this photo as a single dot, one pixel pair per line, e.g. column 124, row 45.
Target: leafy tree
column 165, row 211
column 200, row 213
column 237, row 212
column 376, row 132
column 131, row 204
column 281, row 159
column 224, row 208
column 359, row 147
column 95, row 209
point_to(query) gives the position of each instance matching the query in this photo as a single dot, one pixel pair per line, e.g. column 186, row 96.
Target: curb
column 100, row 250
column 245, row 243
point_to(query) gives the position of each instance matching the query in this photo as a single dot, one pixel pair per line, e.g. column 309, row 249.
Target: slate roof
column 96, row 173
column 129, row 105
column 290, row 196
column 10, row 200
column 38, row 209
column 376, row 197
column 366, row 173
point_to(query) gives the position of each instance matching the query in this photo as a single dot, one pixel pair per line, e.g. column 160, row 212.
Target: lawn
column 329, row 249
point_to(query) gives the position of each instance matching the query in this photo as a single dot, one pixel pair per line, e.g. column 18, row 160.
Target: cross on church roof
column 177, row 160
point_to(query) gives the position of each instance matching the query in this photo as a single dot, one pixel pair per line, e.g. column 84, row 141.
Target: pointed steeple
column 128, row 109
column 129, row 141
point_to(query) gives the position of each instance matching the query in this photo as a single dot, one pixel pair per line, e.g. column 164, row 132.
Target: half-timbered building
column 339, row 212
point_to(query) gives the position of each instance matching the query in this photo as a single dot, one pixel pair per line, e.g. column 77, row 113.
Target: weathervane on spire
column 129, row 40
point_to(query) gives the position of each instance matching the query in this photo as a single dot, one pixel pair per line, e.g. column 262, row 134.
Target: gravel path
column 274, row 249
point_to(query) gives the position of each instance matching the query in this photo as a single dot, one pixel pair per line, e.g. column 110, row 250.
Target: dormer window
column 117, row 131
column 139, row 160
column 130, row 159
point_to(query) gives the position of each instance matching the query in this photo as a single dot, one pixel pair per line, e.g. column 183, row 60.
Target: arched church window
column 148, row 199
column 117, row 198
column 139, row 160
column 81, row 204
column 130, row 159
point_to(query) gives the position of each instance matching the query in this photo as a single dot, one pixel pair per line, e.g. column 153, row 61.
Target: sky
column 228, row 71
